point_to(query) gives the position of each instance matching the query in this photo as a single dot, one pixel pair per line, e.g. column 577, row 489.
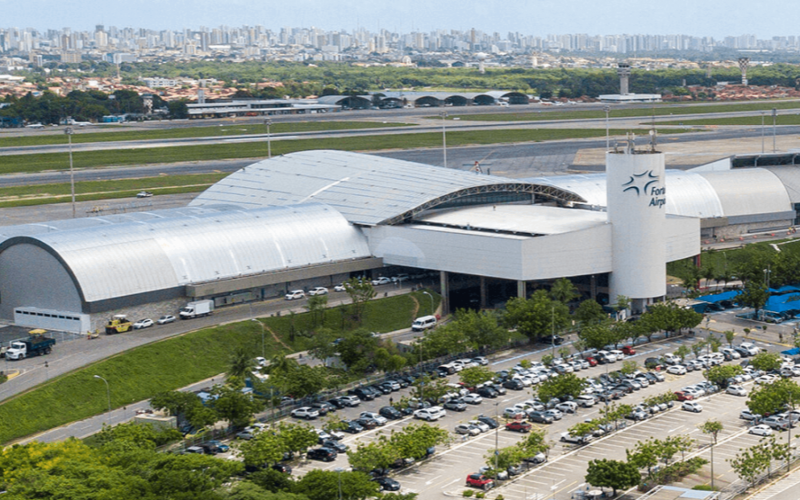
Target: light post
column 767, row 273
column 108, row 393
column 762, row 132
column 431, row 297
column 774, row 123
column 553, row 331
column 268, row 122
column 443, row 114
column 339, row 471
column 69, row 133
column 496, row 439
column 607, row 109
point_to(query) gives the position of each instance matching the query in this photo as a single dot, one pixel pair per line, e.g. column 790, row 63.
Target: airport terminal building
column 316, row 218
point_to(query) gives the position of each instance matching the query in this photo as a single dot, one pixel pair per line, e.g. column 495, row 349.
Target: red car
column 684, row 396
column 519, row 426
column 628, row 350
column 480, row 481
column 591, row 361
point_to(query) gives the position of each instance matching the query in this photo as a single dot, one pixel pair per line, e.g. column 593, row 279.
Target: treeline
column 83, row 106
column 301, row 79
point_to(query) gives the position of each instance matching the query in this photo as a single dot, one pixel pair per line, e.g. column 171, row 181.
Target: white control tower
column 637, row 212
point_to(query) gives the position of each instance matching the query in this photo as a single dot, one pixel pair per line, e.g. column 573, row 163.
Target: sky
column 717, row 18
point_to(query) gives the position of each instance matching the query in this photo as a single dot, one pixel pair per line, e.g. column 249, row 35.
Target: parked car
column 761, row 430
column 677, row 369
column 777, row 423
column 567, row 407
column 455, row 405
column 480, row 481
column 387, row 483
column 736, row 390
column 353, row 427
column 540, row 417
column 167, row 318
column 295, row 294
column 282, row 468
column 519, row 426
column 323, row 454
column 566, row 437
column 305, row 412
column 473, row 399
column 319, row 290
column 748, row 415
column 374, row 416
column 143, row 323
column 383, row 280
column 492, row 423
column 692, row 406
column 467, row 429
column 391, row 413
column 430, row 414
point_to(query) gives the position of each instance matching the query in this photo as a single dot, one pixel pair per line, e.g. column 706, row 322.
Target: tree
column 749, row 463
column 482, row 329
column 720, row 374
column 414, row 440
column 613, row 474
column 316, row 305
column 360, row 293
column 357, row 350
column 242, row 363
column 475, row 375
column 320, row 484
column 563, row 291
column 234, row 406
column 596, row 335
column 247, row 490
column 714, row 343
column 682, row 351
column 377, row 454
column 534, row 443
column 564, row 351
column 766, row 361
column 729, row 336
column 712, row 428
column 643, row 455
column 175, row 403
column 298, row 380
column 426, row 388
column 143, row 436
column 628, row 367
column 297, row 438
column 536, row 316
column 622, row 303
column 697, row 348
column 754, row 295
column 264, row 449
column 564, row 385
column 590, row 312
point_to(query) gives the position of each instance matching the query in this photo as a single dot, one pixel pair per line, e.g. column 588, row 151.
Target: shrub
column 468, row 493
column 480, row 494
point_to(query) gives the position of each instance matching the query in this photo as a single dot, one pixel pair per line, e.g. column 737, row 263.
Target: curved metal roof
column 749, row 191
column 688, row 194
column 365, row 189
column 127, row 258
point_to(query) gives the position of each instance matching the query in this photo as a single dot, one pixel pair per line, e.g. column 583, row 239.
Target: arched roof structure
column 365, row 189
column 129, row 258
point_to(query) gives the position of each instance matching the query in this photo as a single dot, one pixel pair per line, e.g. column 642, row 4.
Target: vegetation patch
column 173, row 363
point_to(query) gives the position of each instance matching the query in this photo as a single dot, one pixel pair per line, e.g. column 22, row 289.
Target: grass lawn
column 86, row 159
column 41, row 194
column 793, row 119
column 90, row 135
column 173, row 363
column 662, row 109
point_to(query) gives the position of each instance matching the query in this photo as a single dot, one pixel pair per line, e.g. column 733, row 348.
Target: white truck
column 197, row 309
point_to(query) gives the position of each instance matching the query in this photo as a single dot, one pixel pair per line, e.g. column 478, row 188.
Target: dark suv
column 362, row 393
column 324, row 454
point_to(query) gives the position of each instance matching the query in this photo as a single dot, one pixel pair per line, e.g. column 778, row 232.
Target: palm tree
column 241, row 364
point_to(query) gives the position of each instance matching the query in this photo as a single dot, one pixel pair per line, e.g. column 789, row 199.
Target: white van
column 423, row 323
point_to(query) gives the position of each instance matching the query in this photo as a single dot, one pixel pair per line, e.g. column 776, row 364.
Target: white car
column 467, row 429
column 676, row 370
column 736, row 390
column 610, row 358
column 750, row 347
column 399, row 278
column 374, row 416
column 295, row 294
column 760, row 430
column 691, row 406
column 383, row 280
column 305, row 412
column 320, row 290
column 766, row 379
column 480, row 360
column 168, row 318
column 143, row 323
column 567, row 407
column 430, row 414
column 513, row 413
column 144, row 194
column 473, row 399
column 341, row 287
column 732, row 352
column 480, row 425
column 618, row 354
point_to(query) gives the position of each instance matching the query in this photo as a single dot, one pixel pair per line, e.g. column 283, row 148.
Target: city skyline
column 680, row 17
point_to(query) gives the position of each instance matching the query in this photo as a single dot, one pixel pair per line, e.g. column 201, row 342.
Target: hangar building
column 316, row 218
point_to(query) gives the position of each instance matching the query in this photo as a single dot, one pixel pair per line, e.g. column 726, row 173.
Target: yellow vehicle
column 118, row 324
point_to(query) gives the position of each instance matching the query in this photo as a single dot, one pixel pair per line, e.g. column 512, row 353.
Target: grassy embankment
column 743, row 120
column 87, row 135
column 85, row 159
column 176, row 362
column 663, row 109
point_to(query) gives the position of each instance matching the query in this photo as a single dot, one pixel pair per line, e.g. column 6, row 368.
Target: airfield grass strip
column 139, row 373
column 741, row 120
column 89, row 135
column 87, row 159
column 663, row 109
column 42, row 194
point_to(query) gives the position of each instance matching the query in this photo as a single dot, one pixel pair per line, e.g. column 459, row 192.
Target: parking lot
column 444, row 474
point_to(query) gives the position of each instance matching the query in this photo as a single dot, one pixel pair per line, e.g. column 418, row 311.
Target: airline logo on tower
column 646, row 184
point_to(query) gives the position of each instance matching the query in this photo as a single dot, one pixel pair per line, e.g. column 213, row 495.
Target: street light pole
column 108, row 393
column 762, row 132
column 607, row 109
column 553, row 331
column 443, row 114
column 268, row 122
column 774, row 123
column 69, row 133
column 263, row 345
column 339, row 471
column 496, row 440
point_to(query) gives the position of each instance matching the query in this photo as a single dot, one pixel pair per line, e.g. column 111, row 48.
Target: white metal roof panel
column 748, row 191
column 523, row 219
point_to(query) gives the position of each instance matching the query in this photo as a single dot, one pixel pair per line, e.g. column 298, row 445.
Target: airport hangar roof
column 126, row 255
column 367, row 190
column 711, row 194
